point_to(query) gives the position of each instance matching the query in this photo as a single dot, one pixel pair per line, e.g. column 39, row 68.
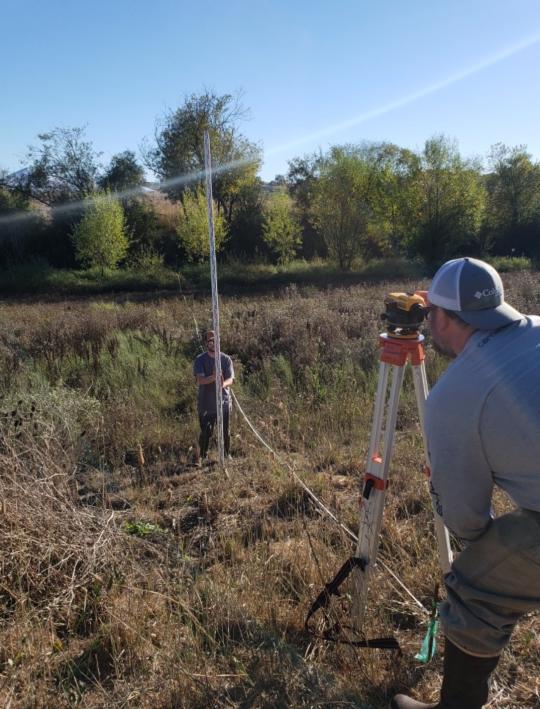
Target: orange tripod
column 396, row 350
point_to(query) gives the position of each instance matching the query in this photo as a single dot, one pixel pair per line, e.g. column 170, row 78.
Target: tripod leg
column 372, row 503
column 378, row 411
column 443, row 539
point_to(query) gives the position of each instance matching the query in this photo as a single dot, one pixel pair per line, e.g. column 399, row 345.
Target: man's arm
column 201, row 379
column 228, row 373
column 461, row 478
column 212, row 378
column 199, row 372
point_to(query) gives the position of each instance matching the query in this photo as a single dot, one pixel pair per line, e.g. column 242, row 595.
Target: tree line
column 369, row 200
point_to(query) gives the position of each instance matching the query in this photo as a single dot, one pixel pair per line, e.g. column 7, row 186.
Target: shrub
column 192, row 228
column 510, row 264
column 100, row 237
column 281, row 229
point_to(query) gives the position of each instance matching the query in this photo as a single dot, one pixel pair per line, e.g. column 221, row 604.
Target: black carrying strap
column 322, row 601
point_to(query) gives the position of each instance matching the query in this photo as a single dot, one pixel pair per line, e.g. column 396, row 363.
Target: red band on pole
column 378, row 483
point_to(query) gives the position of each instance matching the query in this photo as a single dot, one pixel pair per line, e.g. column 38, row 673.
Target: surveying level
column 404, row 314
column 401, row 344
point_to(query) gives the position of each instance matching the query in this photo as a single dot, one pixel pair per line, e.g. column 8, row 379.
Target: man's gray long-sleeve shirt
column 483, row 427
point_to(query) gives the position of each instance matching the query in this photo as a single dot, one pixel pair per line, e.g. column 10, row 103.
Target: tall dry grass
column 126, row 584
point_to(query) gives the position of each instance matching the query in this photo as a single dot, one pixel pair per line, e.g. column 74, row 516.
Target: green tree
column 178, row 156
column 396, row 194
column 142, row 225
column 281, row 229
column 100, row 237
column 21, row 228
column 63, row 166
column 342, row 203
column 451, row 203
column 192, row 228
column 246, row 228
column 302, row 176
column 123, row 173
column 513, row 187
column 12, row 201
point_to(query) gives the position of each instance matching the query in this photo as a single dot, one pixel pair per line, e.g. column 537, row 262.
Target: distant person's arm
column 228, row 374
column 201, row 379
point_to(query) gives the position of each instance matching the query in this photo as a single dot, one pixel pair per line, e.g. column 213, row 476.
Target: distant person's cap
column 474, row 290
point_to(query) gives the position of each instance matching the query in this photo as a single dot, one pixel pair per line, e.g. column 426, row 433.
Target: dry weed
column 154, row 584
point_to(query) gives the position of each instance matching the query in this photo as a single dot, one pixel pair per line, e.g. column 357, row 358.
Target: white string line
column 351, row 534
column 298, row 479
column 400, row 582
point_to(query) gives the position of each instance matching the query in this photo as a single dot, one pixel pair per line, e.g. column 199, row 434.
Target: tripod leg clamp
column 373, row 482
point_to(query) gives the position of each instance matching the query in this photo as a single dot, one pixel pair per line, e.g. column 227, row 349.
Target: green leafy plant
column 100, row 237
column 281, row 229
column 192, row 228
column 142, row 529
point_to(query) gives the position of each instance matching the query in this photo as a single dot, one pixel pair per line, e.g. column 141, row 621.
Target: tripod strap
column 322, row 601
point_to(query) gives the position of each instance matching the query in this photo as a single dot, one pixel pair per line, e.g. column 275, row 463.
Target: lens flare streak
column 199, row 175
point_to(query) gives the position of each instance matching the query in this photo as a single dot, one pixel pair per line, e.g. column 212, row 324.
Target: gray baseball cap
column 474, row 290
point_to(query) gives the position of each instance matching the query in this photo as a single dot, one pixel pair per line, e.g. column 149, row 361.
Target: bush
column 281, row 229
column 100, row 237
column 147, row 261
column 192, row 229
column 510, row 264
column 20, row 228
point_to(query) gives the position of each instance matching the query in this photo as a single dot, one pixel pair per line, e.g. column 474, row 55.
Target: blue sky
column 313, row 73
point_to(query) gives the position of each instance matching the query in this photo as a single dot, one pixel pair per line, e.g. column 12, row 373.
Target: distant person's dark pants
column 207, row 423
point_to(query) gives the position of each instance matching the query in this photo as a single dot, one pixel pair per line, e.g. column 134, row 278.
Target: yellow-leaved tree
column 100, row 237
column 192, row 229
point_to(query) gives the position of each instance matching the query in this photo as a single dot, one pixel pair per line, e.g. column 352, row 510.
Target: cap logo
column 486, row 293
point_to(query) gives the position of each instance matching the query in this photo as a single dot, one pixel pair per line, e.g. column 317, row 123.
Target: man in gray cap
column 483, row 429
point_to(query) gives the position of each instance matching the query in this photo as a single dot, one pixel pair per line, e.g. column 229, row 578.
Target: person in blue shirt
column 204, row 371
column 483, row 431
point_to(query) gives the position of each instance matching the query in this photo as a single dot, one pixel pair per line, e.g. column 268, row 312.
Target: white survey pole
column 215, row 300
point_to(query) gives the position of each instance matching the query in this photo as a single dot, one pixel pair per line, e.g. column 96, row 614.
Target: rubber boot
column 465, row 682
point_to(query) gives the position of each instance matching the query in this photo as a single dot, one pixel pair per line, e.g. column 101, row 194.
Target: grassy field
column 158, row 584
column 38, row 278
